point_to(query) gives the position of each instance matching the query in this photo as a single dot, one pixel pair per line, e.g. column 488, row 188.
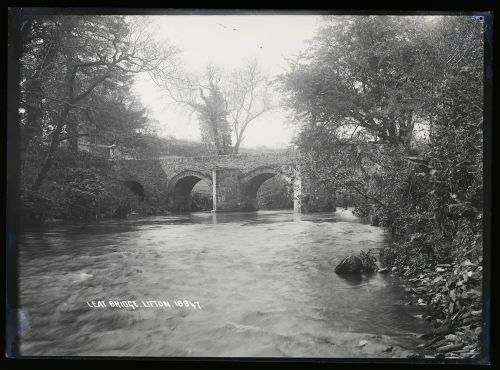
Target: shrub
column 36, row 207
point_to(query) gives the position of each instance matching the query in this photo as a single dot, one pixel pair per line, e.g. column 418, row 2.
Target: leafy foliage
column 76, row 79
column 82, row 193
column 369, row 261
column 35, row 207
column 212, row 114
column 80, row 188
column 224, row 102
column 275, row 193
column 368, row 73
column 76, row 73
column 360, row 90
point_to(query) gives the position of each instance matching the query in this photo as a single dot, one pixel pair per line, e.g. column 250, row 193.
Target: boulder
column 349, row 265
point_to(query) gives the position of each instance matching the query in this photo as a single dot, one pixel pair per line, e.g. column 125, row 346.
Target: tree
column 115, row 118
column 275, row 193
column 366, row 74
column 367, row 81
column 371, row 79
column 70, row 62
column 212, row 110
column 225, row 103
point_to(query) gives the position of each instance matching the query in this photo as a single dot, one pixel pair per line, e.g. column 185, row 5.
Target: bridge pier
column 226, row 189
column 167, row 182
column 233, row 192
column 297, row 192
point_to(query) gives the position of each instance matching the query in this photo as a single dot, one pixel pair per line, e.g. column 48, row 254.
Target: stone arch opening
column 202, row 196
column 180, row 188
column 253, row 181
column 275, row 193
column 136, row 188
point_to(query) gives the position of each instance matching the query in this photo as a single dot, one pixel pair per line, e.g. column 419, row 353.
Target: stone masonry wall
column 244, row 162
column 233, row 172
column 149, row 174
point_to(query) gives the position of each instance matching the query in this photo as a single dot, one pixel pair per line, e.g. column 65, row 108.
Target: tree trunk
column 236, row 147
column 54, row 144
column 72, row 131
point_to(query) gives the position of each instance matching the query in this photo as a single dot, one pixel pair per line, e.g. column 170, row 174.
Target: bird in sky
column 220, row 24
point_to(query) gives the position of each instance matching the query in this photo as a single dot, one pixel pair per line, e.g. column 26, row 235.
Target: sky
column 227, row 41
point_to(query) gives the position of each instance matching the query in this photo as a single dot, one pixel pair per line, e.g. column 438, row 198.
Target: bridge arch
column 229, row 179
column 180, row 187
column 253, row 180
column 136, row 188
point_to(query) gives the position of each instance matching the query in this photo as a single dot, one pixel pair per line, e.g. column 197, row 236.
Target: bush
column 80, row 188
column 368, row 261
column 275, row 193
column 118, row 201
column 36, row 207
column 363, row 210
column 80, row 195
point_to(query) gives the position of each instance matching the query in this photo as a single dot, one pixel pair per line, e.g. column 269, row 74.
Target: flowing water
column 260, row 284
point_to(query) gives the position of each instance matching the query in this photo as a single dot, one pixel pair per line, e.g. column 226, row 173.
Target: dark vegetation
column 390, row 112
column 225, row 102
column 76, row 95
column 83, row 187
column 391, row 109
column 76, row 77
column 275, row 193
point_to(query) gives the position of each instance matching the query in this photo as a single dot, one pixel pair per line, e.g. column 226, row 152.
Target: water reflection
column 265, row 281
column 352, row 279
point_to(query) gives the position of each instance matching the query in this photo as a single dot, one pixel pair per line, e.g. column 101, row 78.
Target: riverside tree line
column 76, row 79
column 389, row 108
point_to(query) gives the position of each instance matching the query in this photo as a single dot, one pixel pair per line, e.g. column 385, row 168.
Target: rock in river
column 349, row 265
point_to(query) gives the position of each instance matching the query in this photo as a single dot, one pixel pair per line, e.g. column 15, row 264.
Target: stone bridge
column 234, row 179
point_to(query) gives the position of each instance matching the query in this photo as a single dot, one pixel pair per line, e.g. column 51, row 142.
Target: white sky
column 227, row 41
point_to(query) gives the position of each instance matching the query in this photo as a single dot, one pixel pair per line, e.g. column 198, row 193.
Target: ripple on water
column 265, row 281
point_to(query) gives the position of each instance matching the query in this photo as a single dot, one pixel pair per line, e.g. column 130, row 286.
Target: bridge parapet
column 244, row 162
column 234, row 179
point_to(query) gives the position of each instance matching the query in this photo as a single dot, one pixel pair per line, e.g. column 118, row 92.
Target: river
column 260, row 284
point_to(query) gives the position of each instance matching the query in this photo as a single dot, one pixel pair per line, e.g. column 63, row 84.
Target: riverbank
column 452, row 297
column 36, row 225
